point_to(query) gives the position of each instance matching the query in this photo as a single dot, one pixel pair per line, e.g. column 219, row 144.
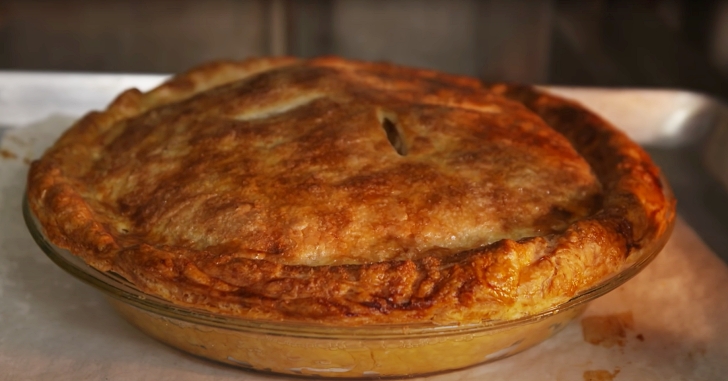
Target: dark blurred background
column 645, row 43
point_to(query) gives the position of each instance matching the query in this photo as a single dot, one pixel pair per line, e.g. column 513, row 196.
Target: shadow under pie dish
column 347, row 219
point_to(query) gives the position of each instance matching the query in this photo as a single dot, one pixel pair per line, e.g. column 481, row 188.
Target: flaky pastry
column 343, row 192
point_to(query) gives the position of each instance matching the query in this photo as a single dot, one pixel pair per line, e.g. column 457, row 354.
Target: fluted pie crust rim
column 505, row 279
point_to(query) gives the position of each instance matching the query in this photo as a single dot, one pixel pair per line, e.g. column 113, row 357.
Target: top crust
column 349, row 193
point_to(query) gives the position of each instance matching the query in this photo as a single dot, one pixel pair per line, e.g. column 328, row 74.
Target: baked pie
column 349, row 193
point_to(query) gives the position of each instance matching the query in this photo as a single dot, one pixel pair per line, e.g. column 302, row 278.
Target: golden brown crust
column 349, row 193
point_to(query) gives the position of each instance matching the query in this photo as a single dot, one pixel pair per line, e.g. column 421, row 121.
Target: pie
column 342, row 192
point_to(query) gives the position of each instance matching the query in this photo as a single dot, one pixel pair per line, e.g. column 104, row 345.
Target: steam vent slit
column 394, row 136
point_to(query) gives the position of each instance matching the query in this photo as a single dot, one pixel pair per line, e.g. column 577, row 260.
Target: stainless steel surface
column 2, row 131
column 686, row 133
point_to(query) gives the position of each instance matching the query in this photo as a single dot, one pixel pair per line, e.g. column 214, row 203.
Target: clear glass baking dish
column 327, row 351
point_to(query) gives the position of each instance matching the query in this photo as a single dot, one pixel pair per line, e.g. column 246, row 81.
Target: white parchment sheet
column 668, row 323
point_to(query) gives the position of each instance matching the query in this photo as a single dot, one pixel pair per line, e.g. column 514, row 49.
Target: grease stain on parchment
column 607, row 330
column 600, row 375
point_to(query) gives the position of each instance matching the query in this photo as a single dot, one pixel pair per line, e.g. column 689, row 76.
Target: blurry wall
column 491, row 38
column 118, row 35
column 504, row 39
column 664, row 43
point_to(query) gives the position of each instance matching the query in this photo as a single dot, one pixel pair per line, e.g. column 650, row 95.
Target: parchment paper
column 668, row 323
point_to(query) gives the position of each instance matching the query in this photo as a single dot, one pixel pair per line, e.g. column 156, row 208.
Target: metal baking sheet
column 686, row 133
column 26, row 97
column 55, row 328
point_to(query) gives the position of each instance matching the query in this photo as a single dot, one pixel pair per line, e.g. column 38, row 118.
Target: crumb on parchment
column 7, row 154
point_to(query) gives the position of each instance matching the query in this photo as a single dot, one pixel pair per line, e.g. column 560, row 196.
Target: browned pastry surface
column 349, row 193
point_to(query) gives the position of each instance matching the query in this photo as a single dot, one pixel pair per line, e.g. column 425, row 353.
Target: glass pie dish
column 329, row 351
